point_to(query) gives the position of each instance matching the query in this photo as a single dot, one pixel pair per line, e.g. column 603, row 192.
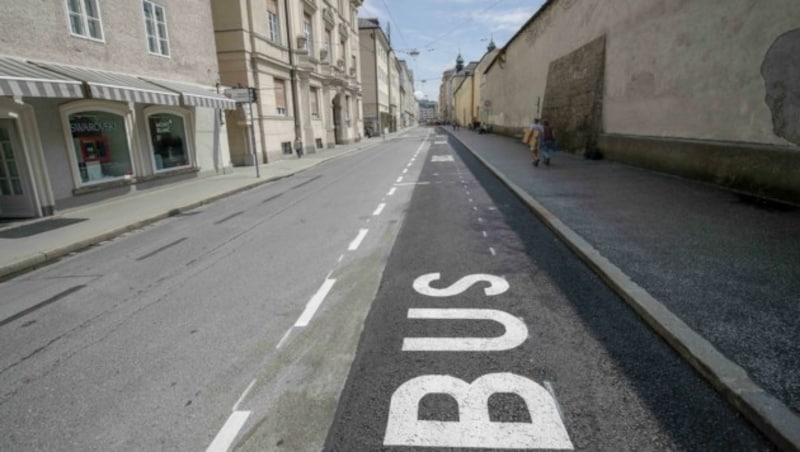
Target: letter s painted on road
column 497, row 285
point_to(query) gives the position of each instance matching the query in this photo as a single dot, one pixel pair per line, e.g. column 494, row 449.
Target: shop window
column 168, row 141
column 100, row 143
column 84, row 19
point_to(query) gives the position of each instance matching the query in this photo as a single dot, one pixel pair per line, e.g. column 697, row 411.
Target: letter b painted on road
column 474, row 427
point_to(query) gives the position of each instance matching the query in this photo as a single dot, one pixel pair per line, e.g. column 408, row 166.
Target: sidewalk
column 29, row 244
column 716, row 273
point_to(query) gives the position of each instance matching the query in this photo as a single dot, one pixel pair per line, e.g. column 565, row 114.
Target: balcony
column 310, row 4
column 329, row 17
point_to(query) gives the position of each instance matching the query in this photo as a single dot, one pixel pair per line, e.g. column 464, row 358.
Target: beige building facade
column 302, row 59
column 379, row 76
column 101, row 98
column 693, row 88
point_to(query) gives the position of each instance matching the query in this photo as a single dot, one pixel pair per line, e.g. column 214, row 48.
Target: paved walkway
column 716, row 273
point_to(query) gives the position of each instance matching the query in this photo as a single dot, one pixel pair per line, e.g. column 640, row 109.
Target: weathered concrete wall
column 674, row 68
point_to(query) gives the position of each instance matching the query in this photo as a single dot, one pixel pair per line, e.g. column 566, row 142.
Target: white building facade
column 99, row 99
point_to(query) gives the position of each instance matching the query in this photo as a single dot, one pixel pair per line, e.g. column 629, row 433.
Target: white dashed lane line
column 314, row 303
column 379, row 209
column 399, row 179
column 222, row 442
column 357, row 241
column 391, row 191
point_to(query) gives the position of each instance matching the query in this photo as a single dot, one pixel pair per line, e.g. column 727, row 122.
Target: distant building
column 304, row 65
column 378, row 67
column 428, row 111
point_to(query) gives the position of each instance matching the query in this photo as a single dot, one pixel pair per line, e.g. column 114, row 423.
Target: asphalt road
column 487, row 332
column 288, row 318
column 207, row 328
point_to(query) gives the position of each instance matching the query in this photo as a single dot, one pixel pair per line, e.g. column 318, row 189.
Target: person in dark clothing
column 298, row 147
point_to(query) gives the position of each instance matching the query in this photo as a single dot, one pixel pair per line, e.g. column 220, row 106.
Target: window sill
column 162, row 174
column 101, row 186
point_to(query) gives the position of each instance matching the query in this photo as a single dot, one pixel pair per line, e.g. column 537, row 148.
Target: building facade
column 707, row 90
column 101, row 98
column 302, row 58
column 408, row 102
column 379, row 76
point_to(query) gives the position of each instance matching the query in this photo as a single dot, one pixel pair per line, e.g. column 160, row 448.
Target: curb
column 771, row 416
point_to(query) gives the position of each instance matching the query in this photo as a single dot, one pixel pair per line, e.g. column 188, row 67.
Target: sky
column 440, row 29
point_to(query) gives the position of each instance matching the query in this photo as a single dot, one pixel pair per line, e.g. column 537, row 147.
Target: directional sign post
column 248, row 96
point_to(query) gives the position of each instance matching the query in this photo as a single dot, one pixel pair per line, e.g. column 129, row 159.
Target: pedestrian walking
column 548, row 141
column 298, row 147
column 535, row 140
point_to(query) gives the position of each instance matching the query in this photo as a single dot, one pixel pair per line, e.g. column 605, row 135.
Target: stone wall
column 573, row 99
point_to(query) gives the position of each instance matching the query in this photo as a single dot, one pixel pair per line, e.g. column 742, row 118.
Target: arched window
column 100, row 141
column 169, row 146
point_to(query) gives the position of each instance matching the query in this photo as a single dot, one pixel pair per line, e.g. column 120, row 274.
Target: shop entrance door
column 16, row 197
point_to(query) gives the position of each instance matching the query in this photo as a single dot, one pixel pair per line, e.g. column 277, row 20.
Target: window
column 308, row 31
column 280, row 96
column 314, row 95
column 84, row 19
column 329, row 45
column 155, row 21
column 347, row 108
column 286, row 147
column 100, row 143
column 274, row 21
column 319, row 143
column 168, row 137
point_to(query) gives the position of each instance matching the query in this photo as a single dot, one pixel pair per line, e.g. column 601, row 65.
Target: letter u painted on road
column 516, row 332
column 474, row 429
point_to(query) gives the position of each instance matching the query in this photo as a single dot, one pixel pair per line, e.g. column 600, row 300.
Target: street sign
column 242, row 95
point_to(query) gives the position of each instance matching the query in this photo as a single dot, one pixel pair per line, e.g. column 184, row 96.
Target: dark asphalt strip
column 231, row 216
column 306, row 182
column 42, row 304
column 153, row 253
column 619, row 386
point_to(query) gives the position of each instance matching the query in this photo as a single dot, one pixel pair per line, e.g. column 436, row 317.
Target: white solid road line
column 285, row 336
column 314, row 303
column 379, row 209
column 244, row 394
column 222, row 442
column 357, row 241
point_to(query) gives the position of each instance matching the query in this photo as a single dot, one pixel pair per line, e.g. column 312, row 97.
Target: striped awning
column 115, row 86
column 195, row 95
column 20, row 78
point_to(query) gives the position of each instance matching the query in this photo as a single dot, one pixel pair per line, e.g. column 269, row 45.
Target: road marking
column 399, row 179
column 415, row 183
column 467, row 190
column 484, row 234
column 442, row 158
column 379, row 209
column 552, row 392
column 480, row 220
column 314, row 303
column 340, row 259
column 470, row 199
column 357, row 241
column 405, row 171
column 285, row 336
column 492, row 251
column 222, row 442
column 391, row 191
column 244, row 394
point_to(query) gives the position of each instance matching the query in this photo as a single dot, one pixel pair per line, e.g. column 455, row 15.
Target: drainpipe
column 293, row 75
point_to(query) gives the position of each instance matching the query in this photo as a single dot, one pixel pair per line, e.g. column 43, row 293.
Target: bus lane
column 487, row 333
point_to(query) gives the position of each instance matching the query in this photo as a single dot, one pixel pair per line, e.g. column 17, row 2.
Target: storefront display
column 100, row 140
column 168, row 138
